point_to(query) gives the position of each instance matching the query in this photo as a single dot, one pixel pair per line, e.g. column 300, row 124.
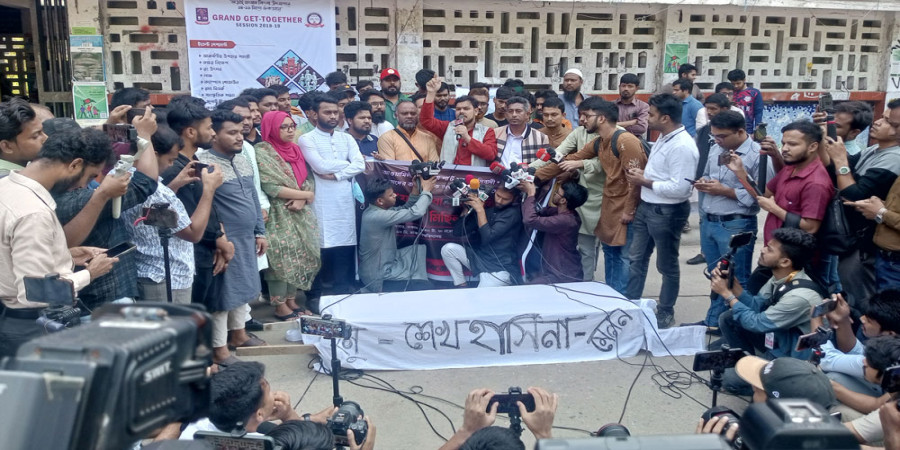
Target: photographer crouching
column 32, row 240
column 772, row 321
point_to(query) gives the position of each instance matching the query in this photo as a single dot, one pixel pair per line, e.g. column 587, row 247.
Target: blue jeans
column 616, row 261
column 659, row 226
column 714, row 240
column 887, row 273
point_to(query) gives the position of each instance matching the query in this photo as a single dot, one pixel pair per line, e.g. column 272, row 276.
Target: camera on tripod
column 717, row 361
column 160, row 216
column 425, row 169
column 349, row 416
column 814, row 341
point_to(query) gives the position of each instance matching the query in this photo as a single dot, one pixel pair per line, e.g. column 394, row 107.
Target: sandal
column 228, row 361
column 254, row 341
column 288, row 317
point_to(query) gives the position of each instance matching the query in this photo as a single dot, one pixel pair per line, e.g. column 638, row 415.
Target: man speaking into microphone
column 464, row 141
column 490, row 238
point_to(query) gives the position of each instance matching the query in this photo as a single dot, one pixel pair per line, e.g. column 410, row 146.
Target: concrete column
column 675, row 31
column 407, row 56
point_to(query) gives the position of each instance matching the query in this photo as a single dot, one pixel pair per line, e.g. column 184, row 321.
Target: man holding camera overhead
column 727, row 206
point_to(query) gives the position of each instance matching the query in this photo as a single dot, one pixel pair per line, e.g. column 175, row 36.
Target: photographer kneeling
column 382, row 267
column 242, row 399
column 772, row 321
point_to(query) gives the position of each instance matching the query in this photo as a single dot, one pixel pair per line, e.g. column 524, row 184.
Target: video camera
column 425, row 169
column 349, row 415
column 726, row 262
column 109, row 383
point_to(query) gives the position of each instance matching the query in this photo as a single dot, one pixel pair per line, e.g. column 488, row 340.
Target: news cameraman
column 881, row 353
column 242, row 399
column 491, row 239
column 382, row 267
column 771, row 321
column 560, row 260
column 32, row 241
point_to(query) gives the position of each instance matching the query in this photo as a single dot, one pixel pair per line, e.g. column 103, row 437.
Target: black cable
column 630, row 388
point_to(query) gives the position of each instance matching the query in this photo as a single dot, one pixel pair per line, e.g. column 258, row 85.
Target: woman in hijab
column 292, row 229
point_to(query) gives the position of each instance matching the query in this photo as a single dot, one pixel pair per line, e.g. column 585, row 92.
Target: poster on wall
column 87, row 58
column 238, row 44
column 676, row 55
column 893, row 88
column 91, row 107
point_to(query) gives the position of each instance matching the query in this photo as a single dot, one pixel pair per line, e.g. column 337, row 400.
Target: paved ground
column 591, row 393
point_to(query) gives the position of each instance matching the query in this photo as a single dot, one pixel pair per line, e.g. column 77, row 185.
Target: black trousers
column 15, row 332
column 337, row 275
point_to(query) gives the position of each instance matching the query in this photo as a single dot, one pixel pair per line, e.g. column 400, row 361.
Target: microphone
column 496, row 167
column 509, row 180
column 469, row 178
column 460, row 189
column 123, row 165
column 543, row 155
column 457, row 123
column 513, row 166
column 475, row 185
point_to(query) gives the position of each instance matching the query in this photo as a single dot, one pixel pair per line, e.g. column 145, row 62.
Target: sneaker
column 664, row 319
column 699, row 259
column 254, row 325
column 687, row 228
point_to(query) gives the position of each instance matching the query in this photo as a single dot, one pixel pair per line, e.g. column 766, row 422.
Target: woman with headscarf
column 292, row 229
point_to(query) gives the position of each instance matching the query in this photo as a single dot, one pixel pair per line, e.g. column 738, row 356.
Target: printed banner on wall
column 238, row 44
column 91, row 107
column 676, row 55
column 893, row 88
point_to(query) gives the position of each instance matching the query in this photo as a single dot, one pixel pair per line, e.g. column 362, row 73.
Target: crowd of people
column 262, row 198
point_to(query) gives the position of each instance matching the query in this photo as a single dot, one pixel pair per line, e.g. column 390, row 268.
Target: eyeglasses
column 288, row 127
column 587, row 116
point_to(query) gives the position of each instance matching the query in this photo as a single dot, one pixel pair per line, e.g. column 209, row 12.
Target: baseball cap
column 388, row 72
column 787, row 378
column 576, row 72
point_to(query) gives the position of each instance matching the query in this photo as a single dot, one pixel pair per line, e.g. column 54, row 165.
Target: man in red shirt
column 464, row 141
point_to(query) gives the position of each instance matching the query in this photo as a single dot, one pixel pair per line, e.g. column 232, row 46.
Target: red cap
column 388, row 72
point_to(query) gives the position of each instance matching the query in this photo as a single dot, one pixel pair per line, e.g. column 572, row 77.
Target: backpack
column 836, row 236
column 615, row 141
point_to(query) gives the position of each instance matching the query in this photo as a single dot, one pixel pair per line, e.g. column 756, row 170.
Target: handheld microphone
column 496, row 167
column 460, row 189
column 543, row 155
column 475, row 185
column 469, row 178
column 457, row 123
column 509, row 179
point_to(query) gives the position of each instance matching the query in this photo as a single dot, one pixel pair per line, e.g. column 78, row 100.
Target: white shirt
column 381, row 128
column 673, row 160
column 702, row 118
column 512, row 151
column 202, row 425
column 336, row 153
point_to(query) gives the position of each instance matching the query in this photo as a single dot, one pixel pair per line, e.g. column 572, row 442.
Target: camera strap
column 409, row 144
column 791, row 285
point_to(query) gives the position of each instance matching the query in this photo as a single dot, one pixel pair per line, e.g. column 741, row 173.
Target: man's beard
column 570, row 95
column 391, row 90
column 361, row 131
column 64, row 185
column 441, row 105
column 409, row 128
column 377, row 117
column 205, row 145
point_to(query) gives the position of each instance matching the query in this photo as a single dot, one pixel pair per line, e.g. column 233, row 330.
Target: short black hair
column 280, row 89
column 736, row 75
column 417, row 96
column 89, row 144
column 894, row 104
column 796, row 245
column 811, row 131
column 376, row 188
column 365, row 96
column 514, row 83
column 555, row 102
column 444, row 87
column 185, row 114
column 667, row 105
column 14, row 114
column 364, row 83
column 324, row 98
column 728, row 120
column 262, row 92
column 493, row 438
column 720, row 100
column 724, row 85
column 609, row 110
column 684, row 84
column 685, row 69
column 882, row 352
column 220, row 116
column 128, row 96
column 336, row 77
column 467, row 98
column 575, row 194
column 546, row 94
column 238, row 102
column 164, row 139
column 245, row 98
column 307, row 100
column 861, row 112
column 504, row 93
column 481, row 85
column 423, row 77
column 884, row 307
column 518, row 100
column 302, row 435
column 235, row 394
column 630, row 78
column 185, row 98
column 353, row 108
column 590, row 104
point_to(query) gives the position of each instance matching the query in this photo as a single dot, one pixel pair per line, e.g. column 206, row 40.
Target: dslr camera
column 425, row 169
column 349, row 416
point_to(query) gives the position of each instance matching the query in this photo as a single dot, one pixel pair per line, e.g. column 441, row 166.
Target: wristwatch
column 879, row 216
column 729, row 299
column 843, row 170
column 307, row 417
